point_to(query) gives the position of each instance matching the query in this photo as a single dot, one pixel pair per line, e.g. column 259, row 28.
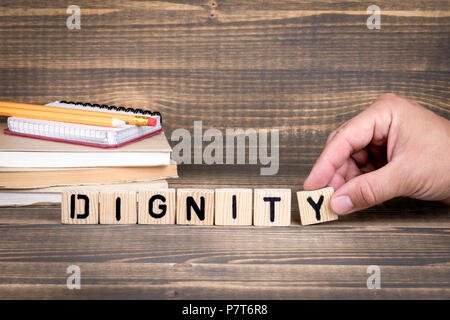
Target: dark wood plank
column 206, row 281
column 300, row 67
column 203, row 262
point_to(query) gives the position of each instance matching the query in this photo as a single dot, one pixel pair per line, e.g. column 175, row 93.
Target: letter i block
column 157, row 206
column 233, row 207
column 314, row 206
column 195, row 206
column 272, row 207
column 79, row 207
column 118, row 207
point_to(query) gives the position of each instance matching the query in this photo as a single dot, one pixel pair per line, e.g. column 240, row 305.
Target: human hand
column 393, row 148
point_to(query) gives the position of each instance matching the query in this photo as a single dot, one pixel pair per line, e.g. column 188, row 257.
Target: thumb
column 368, row 190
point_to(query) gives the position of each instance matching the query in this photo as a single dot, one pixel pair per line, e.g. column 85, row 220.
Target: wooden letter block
column 272, row 207
column 157, row 206
column 79, row 207
column 314, row 206
column 118, row 207
column 233, row 207
column 195, row 206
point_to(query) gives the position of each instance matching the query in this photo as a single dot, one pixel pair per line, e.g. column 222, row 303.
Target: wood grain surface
column 201, row 262
column 302, row 67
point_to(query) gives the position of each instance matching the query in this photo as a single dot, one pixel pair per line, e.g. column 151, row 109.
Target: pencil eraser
column 151, row 122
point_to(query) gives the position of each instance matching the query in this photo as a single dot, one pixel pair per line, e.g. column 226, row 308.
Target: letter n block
column 118, row 207
column 195, row 206
column 233, row 207
column 272, row 207
column 79, row 207
column 314, row 206
column 157, row 206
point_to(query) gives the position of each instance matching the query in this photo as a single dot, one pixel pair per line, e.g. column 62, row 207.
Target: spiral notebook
column 94, row 136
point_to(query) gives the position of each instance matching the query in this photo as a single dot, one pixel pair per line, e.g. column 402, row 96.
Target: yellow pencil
column 71, row 118
column 129, row 119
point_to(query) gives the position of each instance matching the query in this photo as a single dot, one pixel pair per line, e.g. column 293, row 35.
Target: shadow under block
column 195, row 206
column 233, row 207
column 118, row 207
column 157, row 207
column 314, row 206
column 272, row 207
column 79, row 207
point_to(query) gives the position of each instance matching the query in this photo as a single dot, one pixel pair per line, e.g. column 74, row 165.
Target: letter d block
column 157, row 206
column 118, row 207
column 195, row 206
column 314, row 206
column 272, row 207
column 79, row 207
column 233, row 207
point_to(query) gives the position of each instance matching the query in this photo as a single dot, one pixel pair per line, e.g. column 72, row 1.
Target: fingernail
column 342, row 204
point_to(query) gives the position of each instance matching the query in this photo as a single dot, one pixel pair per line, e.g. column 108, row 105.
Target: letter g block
column 157, row 206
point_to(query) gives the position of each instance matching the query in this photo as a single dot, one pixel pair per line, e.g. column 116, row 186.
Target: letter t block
column 272, row 207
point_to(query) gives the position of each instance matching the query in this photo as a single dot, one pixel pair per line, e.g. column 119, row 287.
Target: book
column 84, row 176
column 52, row 195
column 94, row 136
column 22, row 152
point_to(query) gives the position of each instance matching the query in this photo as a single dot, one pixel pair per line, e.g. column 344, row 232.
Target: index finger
column 355, row 135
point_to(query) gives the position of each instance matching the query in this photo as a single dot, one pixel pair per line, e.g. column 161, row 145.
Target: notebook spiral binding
column 108, row 108
column 95, row 136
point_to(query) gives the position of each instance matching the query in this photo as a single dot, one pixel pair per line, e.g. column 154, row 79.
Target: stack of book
column 40, row 158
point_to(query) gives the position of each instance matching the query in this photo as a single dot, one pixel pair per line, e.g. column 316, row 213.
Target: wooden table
column 302, row 67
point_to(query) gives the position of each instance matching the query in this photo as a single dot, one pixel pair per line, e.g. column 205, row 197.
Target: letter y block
column 314, row 206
